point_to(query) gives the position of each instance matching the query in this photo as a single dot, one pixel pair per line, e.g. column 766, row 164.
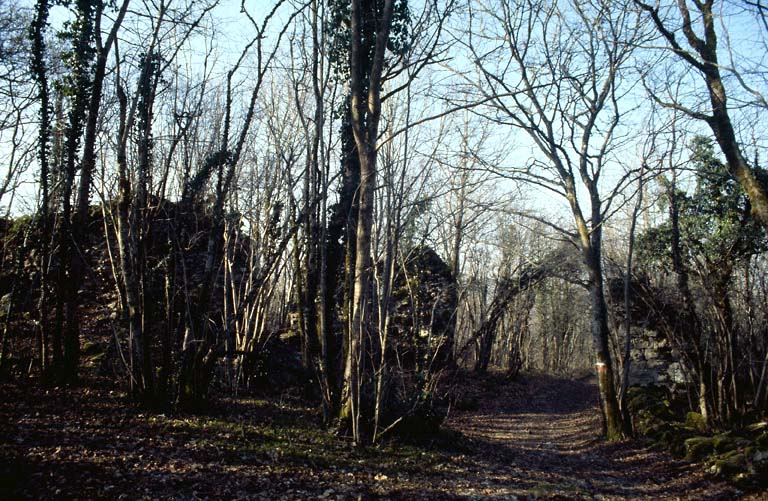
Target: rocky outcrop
column 425, row 300
column 654, row 362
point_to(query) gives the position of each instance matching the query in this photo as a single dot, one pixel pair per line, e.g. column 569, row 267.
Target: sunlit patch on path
column 540, row 437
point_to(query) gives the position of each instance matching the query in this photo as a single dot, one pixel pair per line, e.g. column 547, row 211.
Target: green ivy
column 716, row 226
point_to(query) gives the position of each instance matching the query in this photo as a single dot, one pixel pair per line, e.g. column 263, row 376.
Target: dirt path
column 531, row 439
column 539, row 438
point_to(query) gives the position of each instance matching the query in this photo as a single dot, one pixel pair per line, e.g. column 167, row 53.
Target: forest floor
column 539, row 437
column 533, row 438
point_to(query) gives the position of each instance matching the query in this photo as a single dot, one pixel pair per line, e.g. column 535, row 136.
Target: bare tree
column 557, row 72
column 699, row 52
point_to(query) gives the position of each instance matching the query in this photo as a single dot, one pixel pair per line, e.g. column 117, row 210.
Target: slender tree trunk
column 591, row 247
column 339, row 263
column 323, row 294
column 308, row 269
column 627, row 357
column 169, row 327
column 44, row 134
column 759, row 398
column 728, row 336
column 70, row 243
column 350, row 201
column 366, row 112
column 361, row 298
column 127, row 256
column 385, row 306
column 615, row 427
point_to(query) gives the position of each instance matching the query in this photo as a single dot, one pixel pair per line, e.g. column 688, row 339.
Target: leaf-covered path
column 533, row 438
column 539, row 437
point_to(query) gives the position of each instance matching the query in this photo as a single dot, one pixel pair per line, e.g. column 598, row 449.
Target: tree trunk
column 615, row 427
column 349, row 201
column 339, row 263
column 627, row 356
column 365, row 89
column 43, row 149
column 591, row 247
column 361, row 298
column 126, row 252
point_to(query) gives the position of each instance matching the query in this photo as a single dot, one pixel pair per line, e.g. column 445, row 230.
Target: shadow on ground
column 533, row 438
column 541, row 436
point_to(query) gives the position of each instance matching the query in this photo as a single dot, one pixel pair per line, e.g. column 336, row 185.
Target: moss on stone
column 698, row 448
column 730, row 466
column 762, row 440
column 723, row 443
column 696, row 421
